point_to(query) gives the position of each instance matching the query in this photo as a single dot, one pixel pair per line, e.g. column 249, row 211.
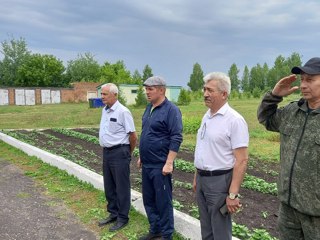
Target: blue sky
column 169, row 35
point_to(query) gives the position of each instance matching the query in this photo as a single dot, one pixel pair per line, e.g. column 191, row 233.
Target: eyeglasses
column 203, row 130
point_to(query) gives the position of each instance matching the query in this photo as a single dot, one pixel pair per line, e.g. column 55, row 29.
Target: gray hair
column 112, row 87
column 224, row 83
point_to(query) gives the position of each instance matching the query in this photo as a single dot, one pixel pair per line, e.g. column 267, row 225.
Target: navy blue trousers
column 116, row 177
column 157, row 200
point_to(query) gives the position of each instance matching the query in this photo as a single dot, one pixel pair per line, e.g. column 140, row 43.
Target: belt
column 117, row 146
column 205, row 173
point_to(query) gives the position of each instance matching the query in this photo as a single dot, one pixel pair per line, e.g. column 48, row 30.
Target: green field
column 263, row 144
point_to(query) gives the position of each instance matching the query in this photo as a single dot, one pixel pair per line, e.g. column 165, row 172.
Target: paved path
column 27, row 214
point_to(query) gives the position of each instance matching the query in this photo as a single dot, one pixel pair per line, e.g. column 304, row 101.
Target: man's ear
column 225, row 95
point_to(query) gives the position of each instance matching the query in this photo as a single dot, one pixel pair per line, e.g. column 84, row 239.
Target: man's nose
column 302, row 84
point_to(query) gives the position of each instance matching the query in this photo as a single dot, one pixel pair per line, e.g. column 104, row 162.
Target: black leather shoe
column 117, row 226
column 106, row 221
column 150, row 236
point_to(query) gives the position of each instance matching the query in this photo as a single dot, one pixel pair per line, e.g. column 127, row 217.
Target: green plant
column 176, row 204
column 258, row 184
column 240, row 231
column 135, row 152
column 191, row 124
column 182, row 184
column 261, row 234
column 184, row 97
column 194, row 211
column 184, row 165
column 76, row 134
column 264, row 214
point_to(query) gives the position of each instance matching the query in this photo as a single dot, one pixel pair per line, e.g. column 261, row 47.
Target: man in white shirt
column 221, row 158
column 118, row 138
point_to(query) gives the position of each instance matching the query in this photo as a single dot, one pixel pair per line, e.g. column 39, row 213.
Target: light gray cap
column 154, row 81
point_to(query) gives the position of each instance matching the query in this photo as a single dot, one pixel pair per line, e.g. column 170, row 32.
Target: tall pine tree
column 196, row 78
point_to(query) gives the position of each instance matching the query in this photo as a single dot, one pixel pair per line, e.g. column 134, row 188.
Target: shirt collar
column 113, row 107
column 221, row 111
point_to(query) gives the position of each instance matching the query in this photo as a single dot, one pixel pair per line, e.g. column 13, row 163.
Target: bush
column 184, row 97
column 121, row 98
column 191, row 124
column 197, row 95
column 247, row 95
column 234, row 94
column 256, row 93
column 141, row 99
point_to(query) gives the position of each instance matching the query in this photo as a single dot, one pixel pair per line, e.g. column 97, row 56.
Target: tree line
column 22, row 68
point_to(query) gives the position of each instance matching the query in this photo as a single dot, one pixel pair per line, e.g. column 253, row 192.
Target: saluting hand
column 283, row 87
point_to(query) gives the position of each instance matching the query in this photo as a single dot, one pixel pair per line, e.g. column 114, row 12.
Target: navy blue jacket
column 161, row 132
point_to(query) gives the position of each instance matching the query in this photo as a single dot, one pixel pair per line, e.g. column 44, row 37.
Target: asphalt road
column 26, row 213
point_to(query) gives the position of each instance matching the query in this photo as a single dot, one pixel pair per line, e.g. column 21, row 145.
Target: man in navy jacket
column 160, row 140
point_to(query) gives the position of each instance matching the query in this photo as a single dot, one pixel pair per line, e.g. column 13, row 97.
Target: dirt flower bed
column 259, row 209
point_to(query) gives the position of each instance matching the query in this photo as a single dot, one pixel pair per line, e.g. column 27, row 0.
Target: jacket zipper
column 295, row 157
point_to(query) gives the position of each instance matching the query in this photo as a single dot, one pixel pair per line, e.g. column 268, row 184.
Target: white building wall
column 4, row 97
column 20, row 97
column 55, row 96
column 30, row 97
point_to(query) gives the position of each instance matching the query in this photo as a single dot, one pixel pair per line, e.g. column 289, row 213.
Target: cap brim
column 307, row 70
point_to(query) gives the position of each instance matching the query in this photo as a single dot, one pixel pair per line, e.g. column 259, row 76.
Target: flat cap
column 154, row 81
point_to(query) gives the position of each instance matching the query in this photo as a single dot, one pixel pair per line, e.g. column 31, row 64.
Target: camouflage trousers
column 294, row 225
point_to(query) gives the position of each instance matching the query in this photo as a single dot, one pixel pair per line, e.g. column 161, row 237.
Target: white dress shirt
column 115, row 125
column 218, row 136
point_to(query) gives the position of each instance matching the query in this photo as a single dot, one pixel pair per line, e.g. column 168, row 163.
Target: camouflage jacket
column 299, row 178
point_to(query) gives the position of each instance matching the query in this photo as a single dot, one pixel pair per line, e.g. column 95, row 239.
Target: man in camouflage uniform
column 299, row 127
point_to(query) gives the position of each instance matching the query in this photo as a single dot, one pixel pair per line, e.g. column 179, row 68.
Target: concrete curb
column 186, row 225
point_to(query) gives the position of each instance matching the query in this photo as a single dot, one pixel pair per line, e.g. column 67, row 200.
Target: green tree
column 15, row 52
column 245, row 80
column 282, row 67
column 294, row 60
column 121, row 97
column 257, row 77
column 141, row 99
column 115, row 73
column 233, row 74
column 136, row 78
column 265, row 72
column 196, row 78
column 278, row 70
column 147, row 72
column 184, row 97
column 41, row 71
column 83, row 69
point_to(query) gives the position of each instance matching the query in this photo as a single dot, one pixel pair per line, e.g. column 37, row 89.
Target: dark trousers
column 294, row 225
column 116, row 177
column 157, row 200
column 211, row 195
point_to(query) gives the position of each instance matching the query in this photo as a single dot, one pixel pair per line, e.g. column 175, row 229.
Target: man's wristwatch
column 232, row 196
